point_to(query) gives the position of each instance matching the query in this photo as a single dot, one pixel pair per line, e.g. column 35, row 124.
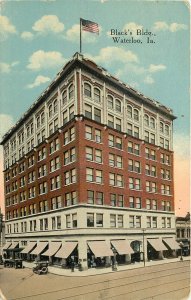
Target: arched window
column 42, row 118
column 50, row 110
column 129, row 111
column 152, row 122
column 38, row 122
column 146, row 120
column 71, row 91
column 136, row 114
column 110, row 102
column 118, row 105
column 97, row 95
column 87, row 90
column 166, row 129
column 55, row 106
column 161, row 127
column 64, row 97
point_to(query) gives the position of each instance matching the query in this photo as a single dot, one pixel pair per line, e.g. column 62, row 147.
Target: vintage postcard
column 94, row 149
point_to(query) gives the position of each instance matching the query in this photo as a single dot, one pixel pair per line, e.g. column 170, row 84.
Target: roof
column 80, row 61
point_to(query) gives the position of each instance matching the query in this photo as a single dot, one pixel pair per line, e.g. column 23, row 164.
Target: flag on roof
column 90, row 26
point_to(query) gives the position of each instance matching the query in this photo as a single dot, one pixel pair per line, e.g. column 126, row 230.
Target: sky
column 38, row 37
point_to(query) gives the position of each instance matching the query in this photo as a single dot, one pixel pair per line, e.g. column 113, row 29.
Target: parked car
column 41, row 268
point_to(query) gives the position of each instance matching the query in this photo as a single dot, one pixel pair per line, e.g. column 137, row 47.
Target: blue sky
column 38, row 37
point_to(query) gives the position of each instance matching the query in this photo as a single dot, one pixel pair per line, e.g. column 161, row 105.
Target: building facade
column 183, row 225
column 89, row 170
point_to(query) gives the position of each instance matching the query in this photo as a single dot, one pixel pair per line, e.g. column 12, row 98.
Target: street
column 165, row 281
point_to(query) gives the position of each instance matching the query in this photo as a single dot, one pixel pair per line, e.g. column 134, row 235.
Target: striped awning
column 13, row 245
column 66, row 249
column 7, row 245
column 28, row 248
column 157, row 244
column 53, row 248
column 100, row 248
column 172, row 243
column 122, row 246
column 39, row 248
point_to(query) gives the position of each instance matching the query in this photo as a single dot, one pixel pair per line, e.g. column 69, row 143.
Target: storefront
column 156, row 249
column 124, row 251
column 67, row 255
column 99, row 254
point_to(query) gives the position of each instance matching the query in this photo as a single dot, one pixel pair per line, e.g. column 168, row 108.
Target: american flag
column 90, row 26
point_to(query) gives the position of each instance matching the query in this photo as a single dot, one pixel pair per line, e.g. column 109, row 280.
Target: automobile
column 41, row 268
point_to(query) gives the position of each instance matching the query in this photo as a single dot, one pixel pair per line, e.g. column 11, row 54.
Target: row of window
column 92, row 220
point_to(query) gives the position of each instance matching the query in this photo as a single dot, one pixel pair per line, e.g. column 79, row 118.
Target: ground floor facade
column 87, row 236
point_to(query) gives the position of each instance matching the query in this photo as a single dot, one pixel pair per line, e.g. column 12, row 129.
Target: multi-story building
column 89, row 168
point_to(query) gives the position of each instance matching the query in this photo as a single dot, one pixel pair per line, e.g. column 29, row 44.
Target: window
column 71, row 198
column 97, row 115
column 136, row 114
column 89, row 153
column 118, row 105
column 68, row 221
column 168, row 222
column 98, row 136
column 130, row 147
column 88, row 133
column 118, row 143
column 113, row 199
column 148, row 204
column 129, row 111
column 131, row 222
column 161, row 127
column 119, row 180
column 98, row 176
column 50, row 111
column 148, row 222
column 55, row 106
column 152, row 138
column 89, row 174
column 87, row 90
column 136, row 132
column 90, row 220
column 131, row 202
column 65, row 117
column 111, row 140
column 97, row 95
column 120, row 201
column 154, row 204
column 99, row 198
column 138, row 202
column 71, row 112
column 88, row 111
column 163, row 222
column 146, row 120
column 56, row 202
column 146, row 136
column 130, row 129
column 138, row 222
column 99, row 220
column 111, row 160
column 152, row 122
column 110, row 102
column 64, row 97
column 110, row 121
column 166, row 130
column 98, row 156
column 58, row 219
column 118, row 124
column 119, row 161
column 74, row 221
column 112, row 220
column 71, row 91
column 90, row 197
column 154, row 222
column 111, row 179
column 120, row 221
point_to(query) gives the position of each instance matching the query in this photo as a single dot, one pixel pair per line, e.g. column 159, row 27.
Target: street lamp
column 143, row 230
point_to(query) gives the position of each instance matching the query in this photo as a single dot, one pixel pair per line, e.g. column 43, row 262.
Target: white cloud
column 44, row 60
column 48, row 23
column 6, row 28
column 27, row 35
column 156, row 68
column 6, row 123
column 173, row 27
column 6, row 68
column 38, row 81
column 112, row 54
column 149, row 80
column 73, row 34
column 132, row 27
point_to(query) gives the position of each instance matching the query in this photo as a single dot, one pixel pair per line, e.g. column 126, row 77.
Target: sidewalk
column 94, row 271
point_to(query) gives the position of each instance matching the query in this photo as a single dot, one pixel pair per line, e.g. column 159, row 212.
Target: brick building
column 89, row 171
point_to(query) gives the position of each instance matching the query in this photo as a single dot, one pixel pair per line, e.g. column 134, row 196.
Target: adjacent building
column 183, row 225
column 89, row 172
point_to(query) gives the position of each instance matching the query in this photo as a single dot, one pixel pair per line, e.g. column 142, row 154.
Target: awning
column 13, row 245
column 39, row 248
column 122, row 246
column 53, row 248
column 157, row 244
column 172, row 243
column 7, row 245
column 100, row 248
column 66, row 249
column 28, row 248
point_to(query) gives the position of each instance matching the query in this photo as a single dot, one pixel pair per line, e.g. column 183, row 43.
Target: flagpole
column 80, row 35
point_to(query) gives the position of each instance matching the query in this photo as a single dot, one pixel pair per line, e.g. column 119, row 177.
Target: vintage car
column 41, row 267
